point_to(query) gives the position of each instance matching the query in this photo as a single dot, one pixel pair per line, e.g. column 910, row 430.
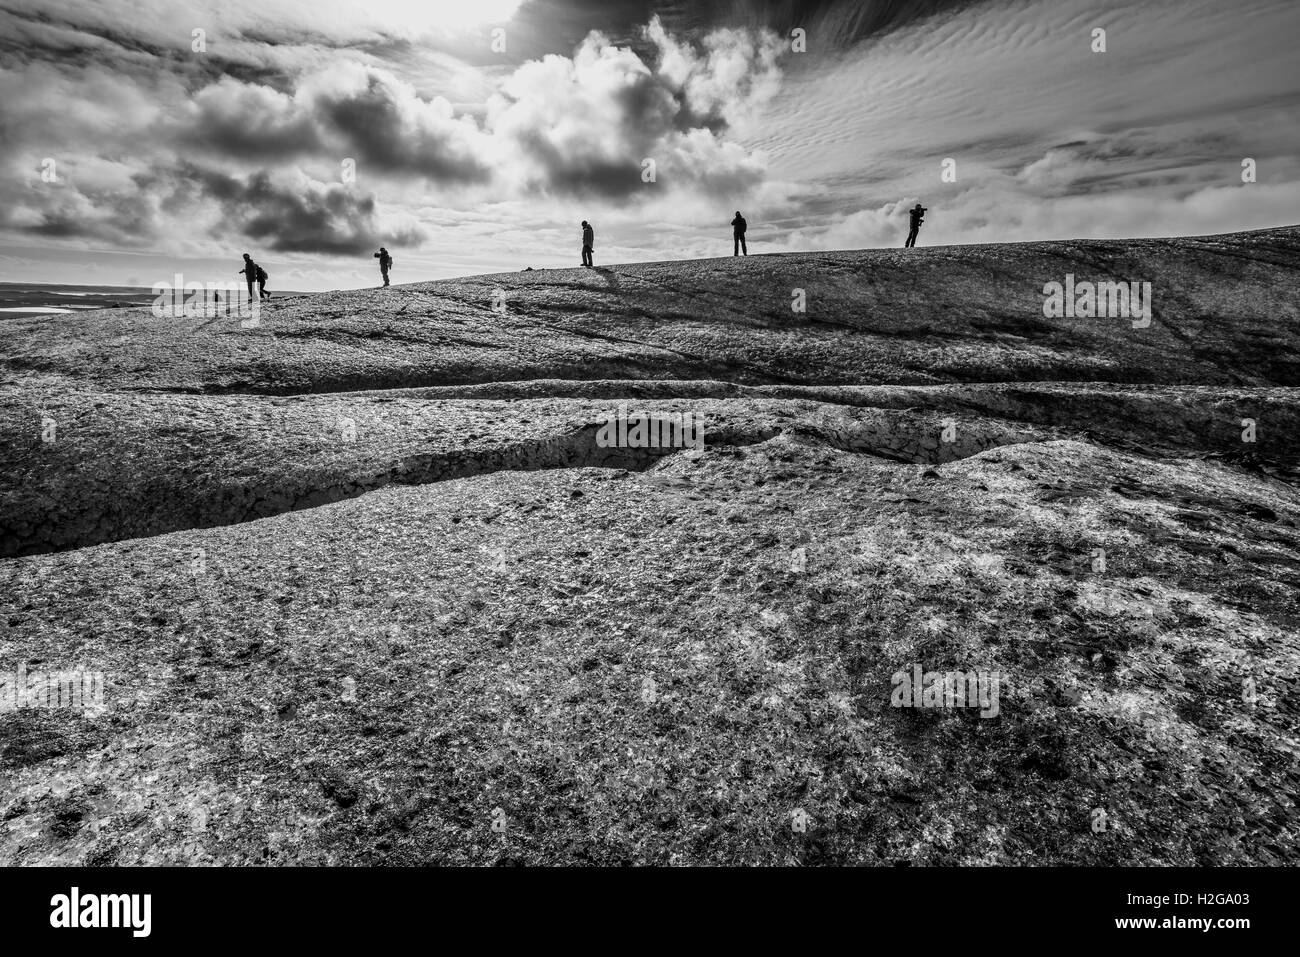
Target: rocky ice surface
column 365, row 585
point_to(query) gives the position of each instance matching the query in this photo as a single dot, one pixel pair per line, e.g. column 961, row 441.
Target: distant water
column 35, row 299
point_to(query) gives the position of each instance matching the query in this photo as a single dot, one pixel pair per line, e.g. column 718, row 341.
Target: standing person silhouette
column 917, row 213
column 588, row 242
column 250, row 274
column 738, row 235
column 262, row 277
column 385, row 263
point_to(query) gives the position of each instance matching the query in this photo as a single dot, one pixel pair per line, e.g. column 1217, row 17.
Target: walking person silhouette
column 588, row 242
column 738, row 235
column 250, row 274
column 917, row 213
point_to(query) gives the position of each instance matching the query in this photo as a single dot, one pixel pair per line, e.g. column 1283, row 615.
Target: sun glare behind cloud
column 433, row 16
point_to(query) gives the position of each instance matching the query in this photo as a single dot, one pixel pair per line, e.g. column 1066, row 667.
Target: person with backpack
column 917, row 213
column 588, row 242
column 738, row 235
column 385, row 263
column 262, row 277
column 250, row 274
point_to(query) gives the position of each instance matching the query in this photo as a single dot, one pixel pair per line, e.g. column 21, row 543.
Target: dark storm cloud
column 123, row 215
column 32, row 34
column 34, row 38
column 60, row 225
column 306, row 217
column 573, row 175
column 249, row 121
column 375, row 124
column 365, row 115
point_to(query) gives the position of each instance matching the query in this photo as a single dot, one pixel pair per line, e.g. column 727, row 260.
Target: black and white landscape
column 984, row 551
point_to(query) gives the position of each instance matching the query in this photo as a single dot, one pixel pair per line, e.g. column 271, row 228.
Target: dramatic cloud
column 95, row 198
column 167, row 24
column 591, row 122
column 383, row 122
column 570, row 126
column 249, row 121
column 735, row 76
column 351, row 111
column 315, row 128
column 299, row 215
column 560, row 124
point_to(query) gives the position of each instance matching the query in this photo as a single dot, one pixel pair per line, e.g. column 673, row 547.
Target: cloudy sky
column 473, row 136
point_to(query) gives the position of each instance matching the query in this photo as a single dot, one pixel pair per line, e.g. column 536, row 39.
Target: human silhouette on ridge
column 249, row 273
column 385, row 263
column 917, row 214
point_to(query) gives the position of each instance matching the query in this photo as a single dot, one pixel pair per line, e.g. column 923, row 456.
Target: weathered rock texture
column 362, row 582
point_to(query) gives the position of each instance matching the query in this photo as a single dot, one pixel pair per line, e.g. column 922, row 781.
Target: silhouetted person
column 385, row 263
column 262, row 277
column 917, row 213
column 250, row 274
column 588, row 242
column 738, row 235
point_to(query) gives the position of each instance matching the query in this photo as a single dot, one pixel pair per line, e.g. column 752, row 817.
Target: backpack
column 261, row 274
